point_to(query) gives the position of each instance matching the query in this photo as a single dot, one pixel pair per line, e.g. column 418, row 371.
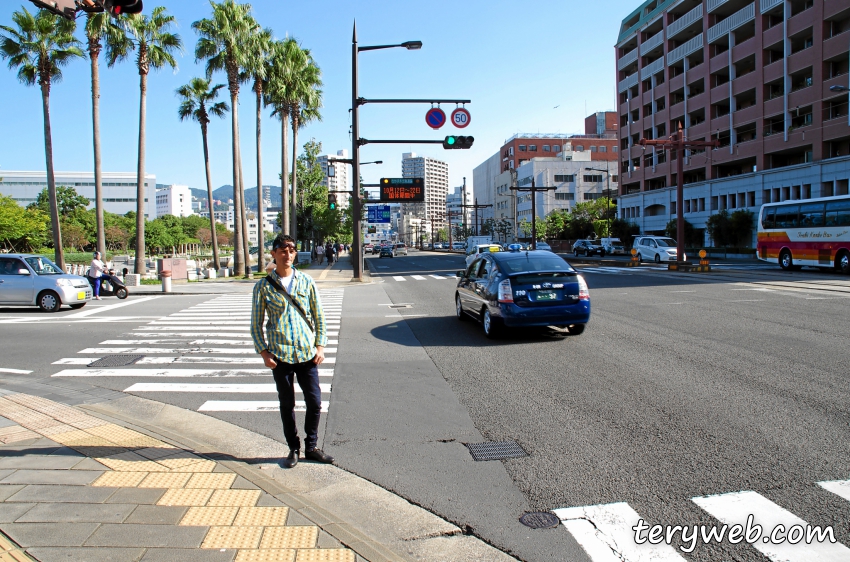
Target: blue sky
column 515, row 61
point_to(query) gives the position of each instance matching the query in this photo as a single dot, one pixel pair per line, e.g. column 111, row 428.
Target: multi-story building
column 339, row 180
column 174, row 200
column 269, row 220
column 767, row 79
column 119, row 188
column 436, row 179
column 457, row 213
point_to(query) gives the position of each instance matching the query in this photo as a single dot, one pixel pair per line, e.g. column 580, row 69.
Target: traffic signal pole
column 475, row 208
column 533, row 189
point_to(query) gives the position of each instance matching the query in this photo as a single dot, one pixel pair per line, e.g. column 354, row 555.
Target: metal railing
column 627, row 59
column 652, row 42
column 680, row 24
column 714, row 4
column 628, row 82
column 684, row 50
column 732, row 23
column 767, row 5
column 651, row 69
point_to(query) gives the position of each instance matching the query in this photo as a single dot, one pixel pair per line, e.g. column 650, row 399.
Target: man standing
column 293, row 345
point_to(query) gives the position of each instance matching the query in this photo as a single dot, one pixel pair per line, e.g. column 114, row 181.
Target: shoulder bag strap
column 273, row 282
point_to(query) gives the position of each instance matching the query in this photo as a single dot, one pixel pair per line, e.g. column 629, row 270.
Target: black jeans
column 307, row 374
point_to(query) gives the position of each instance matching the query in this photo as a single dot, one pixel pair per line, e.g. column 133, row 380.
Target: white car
column 656, row 248
column 400, row 249
column 27, row 279
column 458, row 246
column 475, row 251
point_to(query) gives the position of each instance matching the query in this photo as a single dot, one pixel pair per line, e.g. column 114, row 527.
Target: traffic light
column 69, row 8
column 452, row 142
column 118, row 7
column 332, row 201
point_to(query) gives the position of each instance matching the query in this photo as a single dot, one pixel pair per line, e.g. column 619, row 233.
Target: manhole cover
column 495, row 450
column 116, row 361
column 540, row 520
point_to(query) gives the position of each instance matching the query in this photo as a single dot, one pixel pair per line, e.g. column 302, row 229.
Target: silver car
column 27, row 279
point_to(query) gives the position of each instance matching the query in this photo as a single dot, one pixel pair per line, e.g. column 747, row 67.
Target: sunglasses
column 287, row 247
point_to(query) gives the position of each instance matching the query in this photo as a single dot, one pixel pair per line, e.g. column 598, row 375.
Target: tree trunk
column 140, row 180
column 246, row 243
column 98, row 174
column 238, row 263
column 284, row 174
column 214, row 238
column 294, row 217
column 59, row 253
column 260, row 234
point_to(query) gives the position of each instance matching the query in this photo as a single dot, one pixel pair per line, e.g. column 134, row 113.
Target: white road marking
column 224, row 388
column 239, row 335
column 15, row 371
column 399, row 278
column 174, row 373
column 838, row 487
column 108, row 307
column 237, row 406
column 437, row 277
column 185, row 341
column 418, row 277
column 748, row 300
column 733, row 509
column 605, row 533
column 153, row 350
column 678, row 292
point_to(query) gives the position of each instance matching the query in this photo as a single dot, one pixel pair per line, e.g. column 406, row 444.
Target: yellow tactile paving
column 14, row 556
column 325, row 555
column 5, row 544
column 262, row 517
column 125, row 437
column 190, row 498
column 268, row 555
column 232, row 537
column 301, row 536
column 120, row 479
column 130, row 465
column 15, row 433
column 87, row 423
column 209, row 516
column 70, row 436
column 194, row 467
column 211, row 481
column 165, row 480
column 234, row 498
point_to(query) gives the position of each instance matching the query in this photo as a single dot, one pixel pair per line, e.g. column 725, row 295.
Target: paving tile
column 153, row 536
column 268, row 555
column 195, row 555
column 42, row 462
column 231, row 537
column 78, row 513
column 165, row 480
column 138, row 496
column 8, row 490
column 325, row 555
column 242, row 484
column 61, row 477
column 89, row 464
column 211, row 481
column 269, row 501
column 6, row 472
column 261, row 516
column 50, row 554
column 157, row 515
column 327, row 541
column 61, row 494
column 222, row 469
column 11, row 511
column 188, row 465
column 290, row 537
column 209, row 516
column 49, row 534
column 119, row 479
column 237, row 498
column 190, row 498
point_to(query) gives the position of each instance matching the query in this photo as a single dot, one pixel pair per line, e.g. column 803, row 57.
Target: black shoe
column 292, row 459
column 318, row 456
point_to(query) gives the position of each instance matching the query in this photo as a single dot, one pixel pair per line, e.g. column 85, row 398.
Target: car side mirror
column 459, row 273
column 23, row 271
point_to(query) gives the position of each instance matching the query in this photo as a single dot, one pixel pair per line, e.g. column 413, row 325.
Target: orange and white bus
column 811, row 232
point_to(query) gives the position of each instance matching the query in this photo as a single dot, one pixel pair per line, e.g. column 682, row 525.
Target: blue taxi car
column 522, row 288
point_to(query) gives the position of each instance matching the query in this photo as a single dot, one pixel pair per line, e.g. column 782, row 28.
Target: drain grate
column 116, row 361
column 540, row 520
column 495, row 450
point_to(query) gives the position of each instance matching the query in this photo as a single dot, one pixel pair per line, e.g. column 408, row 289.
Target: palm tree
column 98, row 26
column 275, row 89
column 304, row 110
column 224, row 43
column 198, row 103
column 156, row 47
column 39, row 48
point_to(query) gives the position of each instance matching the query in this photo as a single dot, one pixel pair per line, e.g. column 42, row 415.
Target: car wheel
column 601, row 253
column 122, row 293
column 842, row 263
column 657, row 258
column 491, row 330
column 48, row 301
column 786, row 262
column 575, row 253
column 576, row 329
column 639, row 258
column 461, row 315
column 78, row 305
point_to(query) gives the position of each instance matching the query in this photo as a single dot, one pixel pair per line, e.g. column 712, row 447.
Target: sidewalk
column 131, row 479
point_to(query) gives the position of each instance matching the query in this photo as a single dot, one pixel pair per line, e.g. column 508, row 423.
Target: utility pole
column 677, row 142
column 607, row 171
column 533, row 189
column 475, row 208
column 449, row 216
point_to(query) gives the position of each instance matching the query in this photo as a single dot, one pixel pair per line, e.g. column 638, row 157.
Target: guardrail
column 767, row 5
column 652, row 42
column 627, row 59
column 680, row 24
column 628, row 82
column 649, row 70
column 685, row 49
column 714, row 4
column 733, row 22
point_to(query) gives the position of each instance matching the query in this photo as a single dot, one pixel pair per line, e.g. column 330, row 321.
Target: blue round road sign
column 435, row 117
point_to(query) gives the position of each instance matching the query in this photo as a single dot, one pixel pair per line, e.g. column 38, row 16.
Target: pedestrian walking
column 329, row 253
column 287, row 304
column 314, row 254
column 96, row 272
column 336, row 251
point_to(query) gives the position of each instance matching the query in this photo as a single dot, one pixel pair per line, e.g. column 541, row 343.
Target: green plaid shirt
column 287, row 337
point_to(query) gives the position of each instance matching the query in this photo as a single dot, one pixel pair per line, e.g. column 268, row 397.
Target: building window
column 522, row 148
column 532, row 148
column 592, row 196
column 615, row 148
column 579, row 148
column 562, row 178
column 564, row 196
column 603, row 149
column 556, row 148
column 545, row 148
column 593, row 148
column 595, row 178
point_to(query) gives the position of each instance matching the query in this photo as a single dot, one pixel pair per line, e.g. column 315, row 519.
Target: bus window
column 768, row 217
column 787, row 216
column 838, row 213
column 811, row 215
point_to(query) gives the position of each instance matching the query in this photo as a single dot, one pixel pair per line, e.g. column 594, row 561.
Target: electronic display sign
column 402, row 190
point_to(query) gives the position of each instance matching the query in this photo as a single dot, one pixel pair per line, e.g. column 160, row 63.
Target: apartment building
column 436, row 178
column 339, row 180
column 174, row 200
column 766, row 79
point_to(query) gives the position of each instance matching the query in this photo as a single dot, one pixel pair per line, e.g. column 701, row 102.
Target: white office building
column 435, row 174
column 269, row 220
column 339, row 180
column 174, row 200
column 455, row 201
column 119, row 188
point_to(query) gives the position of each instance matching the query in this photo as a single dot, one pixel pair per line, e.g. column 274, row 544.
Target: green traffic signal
column 331, row 201
column 461, row 142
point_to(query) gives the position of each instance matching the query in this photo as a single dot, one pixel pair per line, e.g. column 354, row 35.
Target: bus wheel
column 842, row 263
column 785, row 260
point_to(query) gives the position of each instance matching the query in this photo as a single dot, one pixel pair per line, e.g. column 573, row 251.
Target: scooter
column 110, row 285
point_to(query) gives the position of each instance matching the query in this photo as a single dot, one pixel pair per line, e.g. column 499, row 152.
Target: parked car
column 613, row 246
column 656, row 248
column 458, row 246
column 520, row 289
column 438, row 245
column 475, row 251
column 27, row 279
column 401, row 249
column 588, row 248
column 540, row 245
column 387, row 251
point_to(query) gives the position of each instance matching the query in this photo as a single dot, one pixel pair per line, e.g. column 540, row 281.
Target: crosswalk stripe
column 437, row 277
column 247, row 406
column 418, row 277
column 187, row 341
column 175, row 373
column 839, row 487
column 399, row 278
column 734, row 508
column 164, row 330
column 605, row 532
column 238, row 335
column 222, row 388
column 223, row 323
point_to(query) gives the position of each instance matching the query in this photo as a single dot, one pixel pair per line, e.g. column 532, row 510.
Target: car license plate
column 547, row 296
column 81, row 296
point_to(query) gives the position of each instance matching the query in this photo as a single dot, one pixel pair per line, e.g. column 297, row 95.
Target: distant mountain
column 225, row 193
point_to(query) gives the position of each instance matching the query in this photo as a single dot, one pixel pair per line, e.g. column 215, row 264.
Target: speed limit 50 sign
column 461, row 118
